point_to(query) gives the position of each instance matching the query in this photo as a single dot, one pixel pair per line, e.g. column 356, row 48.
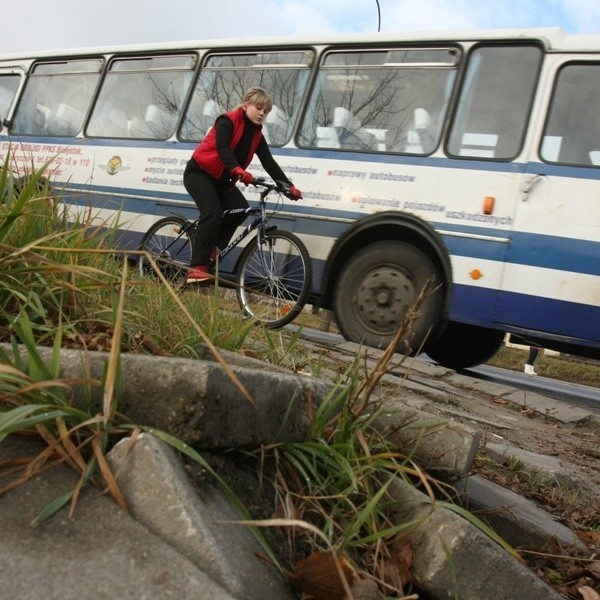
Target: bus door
column 486, row 141
column 552, row 276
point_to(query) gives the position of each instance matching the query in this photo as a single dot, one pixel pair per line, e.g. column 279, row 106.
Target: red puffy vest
column 206, row 154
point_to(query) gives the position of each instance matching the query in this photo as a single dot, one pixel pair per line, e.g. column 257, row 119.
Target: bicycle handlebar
column 279, row 186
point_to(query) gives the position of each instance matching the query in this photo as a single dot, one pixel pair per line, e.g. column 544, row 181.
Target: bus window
column 225, row 77
column 381, row 100
column 57, row 97
column 572, row 134
column 142, row 97
column 495, row 100
column 9, row 84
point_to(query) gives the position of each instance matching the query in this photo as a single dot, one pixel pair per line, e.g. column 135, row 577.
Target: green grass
column 565, row 368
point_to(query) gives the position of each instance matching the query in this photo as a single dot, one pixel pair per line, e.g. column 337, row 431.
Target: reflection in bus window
column 225, row 77
column 8, row 88
column 572, row 134
column 383, row 100
column 495, row 100
column 57, row 97
column 142, row 97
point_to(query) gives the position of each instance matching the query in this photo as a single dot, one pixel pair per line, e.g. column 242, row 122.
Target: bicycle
column 273, row 272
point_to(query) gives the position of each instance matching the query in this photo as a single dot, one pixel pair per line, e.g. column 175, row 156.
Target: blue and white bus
column 467, row 159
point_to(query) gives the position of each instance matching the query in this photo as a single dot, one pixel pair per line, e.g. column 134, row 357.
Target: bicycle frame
column 255, row 224
column 259, row 222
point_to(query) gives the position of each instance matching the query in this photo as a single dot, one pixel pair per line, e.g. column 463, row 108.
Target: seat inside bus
column 117, row 123
column 159, row 121
column 327, row 137
column 481, row 145
column 350, row 131
column 67, row 121
column 423, row 127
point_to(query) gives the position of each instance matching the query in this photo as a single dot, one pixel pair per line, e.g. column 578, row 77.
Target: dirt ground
column 576, row 445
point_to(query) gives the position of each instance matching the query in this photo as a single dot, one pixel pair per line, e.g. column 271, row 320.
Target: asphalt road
column 552, row 388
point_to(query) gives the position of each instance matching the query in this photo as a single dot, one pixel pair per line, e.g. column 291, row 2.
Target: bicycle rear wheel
column 274, row 278
column 170, row 246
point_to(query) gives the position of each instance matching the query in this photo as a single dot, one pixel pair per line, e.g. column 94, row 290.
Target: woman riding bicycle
column 218, row 163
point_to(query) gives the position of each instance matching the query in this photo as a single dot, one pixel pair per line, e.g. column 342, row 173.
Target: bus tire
column 461, row 345
column 376, row 289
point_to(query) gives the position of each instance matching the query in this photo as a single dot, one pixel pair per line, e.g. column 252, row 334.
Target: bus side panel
column 552, row 276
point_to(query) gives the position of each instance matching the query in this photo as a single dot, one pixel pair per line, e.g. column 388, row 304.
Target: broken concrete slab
column 101, row 553
column 479, row 420
column 479, row 385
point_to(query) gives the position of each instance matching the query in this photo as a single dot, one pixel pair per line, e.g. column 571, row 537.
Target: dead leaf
column 587, row 593
column 591, row 538
column 396, row 572
column 594, row 568
column 317, row 576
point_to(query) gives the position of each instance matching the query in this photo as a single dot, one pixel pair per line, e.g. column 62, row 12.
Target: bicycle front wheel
column 274, row 278
column 168, row 243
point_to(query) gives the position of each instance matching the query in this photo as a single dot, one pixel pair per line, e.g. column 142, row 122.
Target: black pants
column 533, row 352
column 212, row 197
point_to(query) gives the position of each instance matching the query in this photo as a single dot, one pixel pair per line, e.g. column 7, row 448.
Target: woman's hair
column 257, row 96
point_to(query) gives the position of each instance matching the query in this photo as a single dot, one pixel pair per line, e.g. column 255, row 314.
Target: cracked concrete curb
column 452, row 557
column 198, row 522
column 435, row 443
column 197, row 401
column 518, row 520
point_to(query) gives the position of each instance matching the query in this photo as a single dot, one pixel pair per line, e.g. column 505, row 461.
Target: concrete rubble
column 178, row 540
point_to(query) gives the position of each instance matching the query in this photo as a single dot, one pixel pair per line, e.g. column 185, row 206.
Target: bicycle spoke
column 275, row 278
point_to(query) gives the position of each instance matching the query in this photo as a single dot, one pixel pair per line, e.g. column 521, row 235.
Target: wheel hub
column 383, row 298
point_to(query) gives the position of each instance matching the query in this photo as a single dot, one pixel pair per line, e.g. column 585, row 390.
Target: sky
column 37, row 25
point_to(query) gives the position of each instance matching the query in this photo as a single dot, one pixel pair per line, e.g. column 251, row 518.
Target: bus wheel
column 376, row 289
column 461, row 346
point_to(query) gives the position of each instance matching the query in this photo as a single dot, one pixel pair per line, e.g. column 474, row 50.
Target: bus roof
column 555, row 39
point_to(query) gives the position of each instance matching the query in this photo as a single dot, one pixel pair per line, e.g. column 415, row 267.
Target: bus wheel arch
column 375, row 273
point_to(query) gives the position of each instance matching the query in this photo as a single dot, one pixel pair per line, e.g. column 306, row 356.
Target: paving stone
column 561, row 411
column 548, row 467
